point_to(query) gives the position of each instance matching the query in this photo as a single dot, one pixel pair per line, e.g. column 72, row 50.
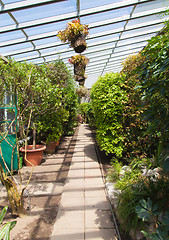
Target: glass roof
column 117, row 29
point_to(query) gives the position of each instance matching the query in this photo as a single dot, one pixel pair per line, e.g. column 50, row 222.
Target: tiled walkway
column 84, row 210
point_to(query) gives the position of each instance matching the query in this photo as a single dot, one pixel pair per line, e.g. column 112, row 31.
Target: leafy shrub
column 153, row 75
column 108, row 98
column 148, row 212
column 141, row 188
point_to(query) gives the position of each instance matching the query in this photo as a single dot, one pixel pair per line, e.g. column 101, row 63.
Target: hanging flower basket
column 81, row 82
column 75, row 34
column 80, row 79
column 79, row 69
column 79, row 62
column 79, row 44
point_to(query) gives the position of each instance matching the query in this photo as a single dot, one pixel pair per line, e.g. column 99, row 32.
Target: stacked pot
column 80, row 61
column 75, row 34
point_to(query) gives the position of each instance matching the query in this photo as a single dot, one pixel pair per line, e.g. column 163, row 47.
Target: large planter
column 79, row 44
column 51, row 146
column 33, row 156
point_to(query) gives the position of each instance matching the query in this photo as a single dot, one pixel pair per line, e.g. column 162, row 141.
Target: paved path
column 84, row 210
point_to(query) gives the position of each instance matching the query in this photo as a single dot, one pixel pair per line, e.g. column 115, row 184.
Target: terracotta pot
column 79, row 44
column 58, row 141
column 50, row 147
column 34, row 156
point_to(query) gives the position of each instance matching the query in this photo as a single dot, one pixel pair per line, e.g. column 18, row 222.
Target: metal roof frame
column 106, row 47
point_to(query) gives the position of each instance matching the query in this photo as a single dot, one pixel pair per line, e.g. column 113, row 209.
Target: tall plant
column 154, row 85
column 108, row 97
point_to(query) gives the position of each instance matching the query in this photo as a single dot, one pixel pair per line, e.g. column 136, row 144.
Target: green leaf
column 4, row 210
column 143, row 213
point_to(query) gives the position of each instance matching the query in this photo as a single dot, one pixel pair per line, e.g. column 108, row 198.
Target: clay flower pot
column 51, row 146
column 34, row 156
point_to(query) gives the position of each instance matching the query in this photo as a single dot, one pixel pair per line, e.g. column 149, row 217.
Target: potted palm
column 75, row 34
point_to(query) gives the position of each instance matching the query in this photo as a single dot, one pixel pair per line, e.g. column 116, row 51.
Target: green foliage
column 5, row 231
column 137, row 142
column 108, row 98
column 45, row 96
column 85, row 110
column 147, row 211
column 141, row 188
column 155, row 84
column 115, row 170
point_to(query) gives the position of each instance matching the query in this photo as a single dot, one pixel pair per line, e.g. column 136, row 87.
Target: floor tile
column 69, row 204
column 97, row 219
column 68, row 234
column 97, row 203
column 100, row 234
column 94, row 193
column 69, row 219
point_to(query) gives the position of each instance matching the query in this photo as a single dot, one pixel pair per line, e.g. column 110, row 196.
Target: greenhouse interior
column 84, row 119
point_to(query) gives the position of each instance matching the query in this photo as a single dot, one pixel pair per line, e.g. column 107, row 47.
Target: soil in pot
column 33, row 156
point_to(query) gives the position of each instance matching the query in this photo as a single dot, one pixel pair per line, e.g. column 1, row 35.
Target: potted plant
column 50, row 128
column 75, row 34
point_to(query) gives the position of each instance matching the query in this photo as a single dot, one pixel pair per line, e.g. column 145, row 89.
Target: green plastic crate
column 9, row 153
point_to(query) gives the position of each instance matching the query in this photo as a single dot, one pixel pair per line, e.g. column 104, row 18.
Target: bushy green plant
column 41, row 91
column 108, row 97
column 141, row 188
column 137, row 142
column 154, row 84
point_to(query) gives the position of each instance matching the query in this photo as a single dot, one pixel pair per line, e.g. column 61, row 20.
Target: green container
column 9, row 153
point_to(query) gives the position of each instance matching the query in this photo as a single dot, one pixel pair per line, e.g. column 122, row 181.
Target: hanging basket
column 79, row 69
column 79, row 44
column 80, row 80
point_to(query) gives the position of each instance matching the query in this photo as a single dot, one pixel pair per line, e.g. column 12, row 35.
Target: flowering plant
column 72, row 31
column 79, row 59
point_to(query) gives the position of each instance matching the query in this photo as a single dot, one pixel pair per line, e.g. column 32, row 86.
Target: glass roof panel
column 45, row 41
column 11, row 1
column 117, row 28
column 5, row 20
column 106, row 15
column 45, row 28
column 10, row 49
column 11, row 36
column 41, row 12
column 94, row 3
column 148, row 6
